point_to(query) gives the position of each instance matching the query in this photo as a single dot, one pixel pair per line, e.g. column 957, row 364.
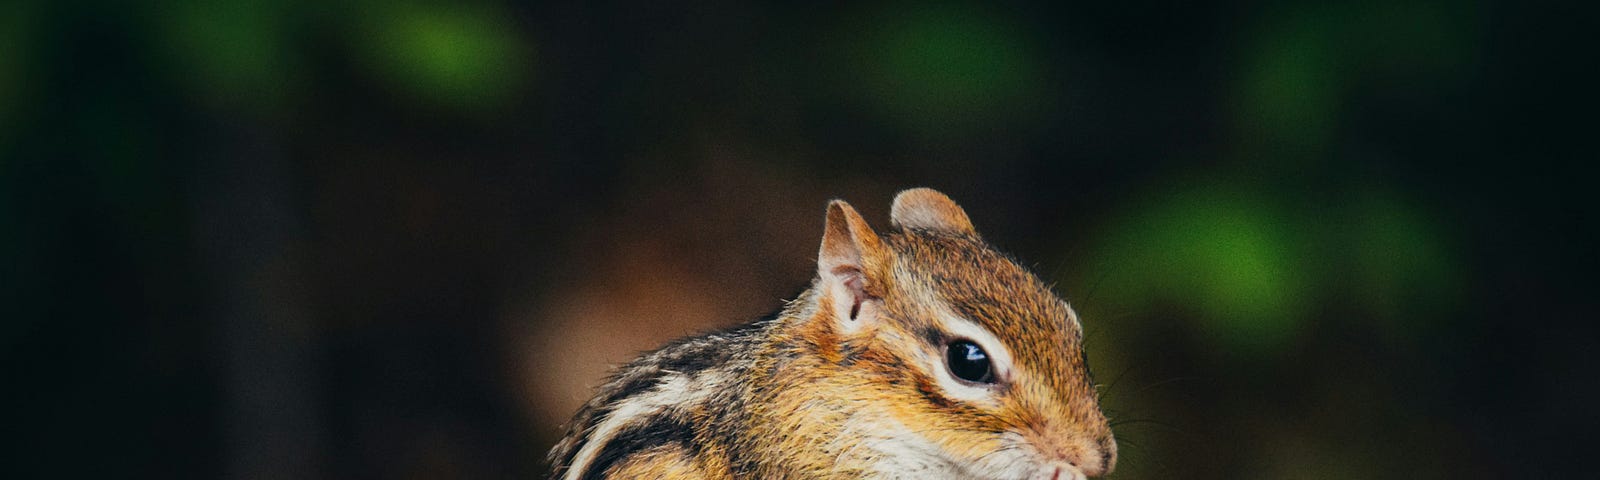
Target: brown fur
column 819, row 393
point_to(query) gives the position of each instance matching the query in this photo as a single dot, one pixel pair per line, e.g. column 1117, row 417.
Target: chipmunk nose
column 1066, row 472
column 1090, row 454
column 1089, row 459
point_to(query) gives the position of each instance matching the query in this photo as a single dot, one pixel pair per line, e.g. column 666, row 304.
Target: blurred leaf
column 1409, row 40
column 16, row 44
column 1220, row 252
column 1299, row 68
column 1290, row 86
column 454, row 55
column 19, row 258
column 1401, row 270
column 1253, row 266
column 942, row 68
column 234, row 51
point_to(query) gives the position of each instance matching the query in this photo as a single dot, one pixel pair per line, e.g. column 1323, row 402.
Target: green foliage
column 939, row 68
column 1300, row 65
column 1401, row 270
column 1290, row 85
column 1221, row 251
column 16, row 48
column 451, row 55
column 235, row 53
column 1253, row 265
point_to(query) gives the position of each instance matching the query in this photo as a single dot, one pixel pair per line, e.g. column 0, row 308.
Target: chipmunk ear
column 852, row 268
column 927, row 209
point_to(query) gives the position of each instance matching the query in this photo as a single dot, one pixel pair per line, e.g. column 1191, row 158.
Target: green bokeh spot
column 1304, row 60
column 16, row 47
column 1421, row 44
column 462, row 57
column 236, row 51
column 1402, row 270
column 1223, row 255
column 945, row 67
column 1290, row 88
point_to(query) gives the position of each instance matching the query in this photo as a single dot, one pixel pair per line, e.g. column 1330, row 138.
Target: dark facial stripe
column 932, row 393
column 933, row 336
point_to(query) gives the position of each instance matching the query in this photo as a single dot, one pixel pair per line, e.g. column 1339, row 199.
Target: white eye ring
column 962, row 329
column 967, row 361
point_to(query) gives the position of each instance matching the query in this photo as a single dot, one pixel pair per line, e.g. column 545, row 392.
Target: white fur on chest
column 896, row 452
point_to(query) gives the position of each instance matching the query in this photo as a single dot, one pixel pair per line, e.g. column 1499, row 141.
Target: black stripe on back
column 687, row 356
column 664, row 431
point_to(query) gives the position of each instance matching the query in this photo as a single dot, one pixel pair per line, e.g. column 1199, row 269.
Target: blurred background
column 403, row 239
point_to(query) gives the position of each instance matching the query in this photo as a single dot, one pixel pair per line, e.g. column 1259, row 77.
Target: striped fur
column 813, row 393
column 657, row 405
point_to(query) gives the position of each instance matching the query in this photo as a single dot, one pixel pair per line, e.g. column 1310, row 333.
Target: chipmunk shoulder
column 918, row 353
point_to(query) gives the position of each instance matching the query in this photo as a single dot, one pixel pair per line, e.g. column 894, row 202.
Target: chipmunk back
column 921, row 353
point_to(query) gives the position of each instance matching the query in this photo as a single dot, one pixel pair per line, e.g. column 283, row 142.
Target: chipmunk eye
column 969, row 362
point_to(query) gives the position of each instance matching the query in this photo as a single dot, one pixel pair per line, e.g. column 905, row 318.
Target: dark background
column 402, row 239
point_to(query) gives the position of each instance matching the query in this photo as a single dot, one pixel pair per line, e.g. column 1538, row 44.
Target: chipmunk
column 922, row 353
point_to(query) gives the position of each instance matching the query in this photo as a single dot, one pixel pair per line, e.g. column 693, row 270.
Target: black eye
column 969, row 362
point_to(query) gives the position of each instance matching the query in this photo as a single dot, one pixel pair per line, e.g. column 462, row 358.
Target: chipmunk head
column 963, row 362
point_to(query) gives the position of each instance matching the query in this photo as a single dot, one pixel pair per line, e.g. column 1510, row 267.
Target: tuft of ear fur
column 853, row 267
column 927, row 209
